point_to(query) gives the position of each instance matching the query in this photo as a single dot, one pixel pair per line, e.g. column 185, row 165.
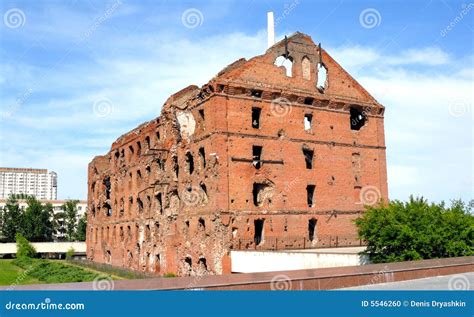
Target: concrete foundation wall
column 269, row 261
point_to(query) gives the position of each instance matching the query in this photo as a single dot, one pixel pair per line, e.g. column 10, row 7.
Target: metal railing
column 291, row 243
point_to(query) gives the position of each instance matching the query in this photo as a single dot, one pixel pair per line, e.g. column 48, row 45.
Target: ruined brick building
column 260, row 157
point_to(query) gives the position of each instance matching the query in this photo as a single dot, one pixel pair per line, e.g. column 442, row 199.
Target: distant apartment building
column 57, row 208
column 40, row 183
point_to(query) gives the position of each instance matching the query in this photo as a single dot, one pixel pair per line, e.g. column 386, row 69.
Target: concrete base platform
column 286, row 260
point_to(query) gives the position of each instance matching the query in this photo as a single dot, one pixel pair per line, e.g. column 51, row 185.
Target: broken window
column 139, row 174
column 140, row 204
column 310, row 195
column 358, row 118
column 121, row 233
column 107, row 184
column 202, row 264
column 158, row 137
column 116, row 154
column 148, row 169
column 189, row 163
column 285, row 62
column 202, row 157
column 312, row 229
column 308, row 157
column 188, row 263
column 160, row 163
column 202, row 224
column 108, row 209
column 201, row 114
column 256, row 117
column 261, row 192
column 308, row 101
column 256, row 93
column 322, row 77
column 256, row 156
column 157, row 263
column 258, row 235
column 308, row 118
column 204, row 189
column 147, row 141
column 139, row 148
column 131, row 150
column 148, row 201
column 159, row 201
column 306, row 68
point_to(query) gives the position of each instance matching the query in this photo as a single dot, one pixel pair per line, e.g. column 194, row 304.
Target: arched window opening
column 285, row 62
column 322, row 77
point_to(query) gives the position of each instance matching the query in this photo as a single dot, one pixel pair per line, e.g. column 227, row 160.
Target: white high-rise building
column 30, row 181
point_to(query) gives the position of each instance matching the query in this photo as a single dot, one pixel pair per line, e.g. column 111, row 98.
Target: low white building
column 57, row 208
column 41, row 183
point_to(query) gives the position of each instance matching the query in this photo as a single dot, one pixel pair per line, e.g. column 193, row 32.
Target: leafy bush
column 169, row 275
column 24, row 249
column 415, row 230
column 70, row 253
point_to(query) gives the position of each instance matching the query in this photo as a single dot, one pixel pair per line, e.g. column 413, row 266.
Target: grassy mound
column 54, row 272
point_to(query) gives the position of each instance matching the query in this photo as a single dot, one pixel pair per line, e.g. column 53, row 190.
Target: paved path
column 462, row 281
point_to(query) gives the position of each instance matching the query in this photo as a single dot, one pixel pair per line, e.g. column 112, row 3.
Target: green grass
column 94, row 270
column 11, row 275
column 48, row 271
column 111, row 270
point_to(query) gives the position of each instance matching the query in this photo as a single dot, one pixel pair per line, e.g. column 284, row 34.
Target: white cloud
column 425, row 56
column 359, row 56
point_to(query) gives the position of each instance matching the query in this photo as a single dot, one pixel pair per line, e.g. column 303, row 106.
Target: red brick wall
column 211, row 210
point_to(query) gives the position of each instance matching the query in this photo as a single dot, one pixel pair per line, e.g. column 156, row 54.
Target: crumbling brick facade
column 260, row 157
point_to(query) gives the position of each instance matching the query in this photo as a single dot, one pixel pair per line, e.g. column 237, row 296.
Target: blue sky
column 75, row 75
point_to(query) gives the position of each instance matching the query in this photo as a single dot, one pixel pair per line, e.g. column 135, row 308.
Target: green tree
column 37, row 225
column 82, row 228
column 58, row 221
column 12, row 219
column 70, row 253
column 415, row 230
column 24, row 249
column 70, row 217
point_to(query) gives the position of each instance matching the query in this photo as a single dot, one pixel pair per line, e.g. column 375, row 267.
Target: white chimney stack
column 270, row 29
